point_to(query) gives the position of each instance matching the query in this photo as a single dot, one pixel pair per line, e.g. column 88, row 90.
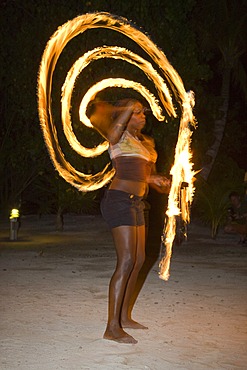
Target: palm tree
column 223, row 31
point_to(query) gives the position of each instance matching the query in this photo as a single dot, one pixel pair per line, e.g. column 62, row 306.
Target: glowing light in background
column 15, row 213
column 182, row 168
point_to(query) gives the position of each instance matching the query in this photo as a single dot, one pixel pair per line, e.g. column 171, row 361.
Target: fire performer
column 133, row 156
column 132, row 153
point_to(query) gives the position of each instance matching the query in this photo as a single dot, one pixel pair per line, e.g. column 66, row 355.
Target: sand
column 54, row 288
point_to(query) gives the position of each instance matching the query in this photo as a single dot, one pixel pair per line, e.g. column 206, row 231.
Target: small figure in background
column 237, row 217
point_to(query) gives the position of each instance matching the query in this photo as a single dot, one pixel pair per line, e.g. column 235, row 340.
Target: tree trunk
column 59, row 219
column 220, row 124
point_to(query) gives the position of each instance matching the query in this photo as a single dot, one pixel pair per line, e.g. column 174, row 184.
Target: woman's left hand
column 160, row 183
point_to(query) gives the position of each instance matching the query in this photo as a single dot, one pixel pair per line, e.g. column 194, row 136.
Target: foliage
column 51, row 194
column 221, row 29
column 22, row 158
column 212, row 198
column 26, row 26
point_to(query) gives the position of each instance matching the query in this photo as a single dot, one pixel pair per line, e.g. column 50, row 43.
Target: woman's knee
column 126, row 265
column 139, row 262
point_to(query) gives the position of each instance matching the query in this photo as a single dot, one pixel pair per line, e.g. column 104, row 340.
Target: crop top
column 133, row 158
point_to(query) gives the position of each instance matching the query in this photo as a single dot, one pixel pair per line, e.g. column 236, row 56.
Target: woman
column 133, row 156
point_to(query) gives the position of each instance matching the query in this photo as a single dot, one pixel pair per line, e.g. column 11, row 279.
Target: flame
column 182, row 168
column 179, row 199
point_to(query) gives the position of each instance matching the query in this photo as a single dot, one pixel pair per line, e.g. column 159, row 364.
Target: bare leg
column 125, row 243
column 239, row 229
column 127, row 307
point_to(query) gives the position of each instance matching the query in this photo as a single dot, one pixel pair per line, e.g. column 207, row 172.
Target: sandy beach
column 54, row 288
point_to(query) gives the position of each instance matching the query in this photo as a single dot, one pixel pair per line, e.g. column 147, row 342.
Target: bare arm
column 118, row 126
column 101, row 119
column 159, row 182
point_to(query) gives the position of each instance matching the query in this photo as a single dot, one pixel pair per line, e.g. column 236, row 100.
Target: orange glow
column 181, row 170
column 179, row 200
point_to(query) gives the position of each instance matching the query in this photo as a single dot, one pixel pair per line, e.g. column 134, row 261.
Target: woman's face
column 138, row 118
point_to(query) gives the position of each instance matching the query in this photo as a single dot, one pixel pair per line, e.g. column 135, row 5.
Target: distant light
column 14, row 213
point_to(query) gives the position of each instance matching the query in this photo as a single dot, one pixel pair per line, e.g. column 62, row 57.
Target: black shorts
column 120, row 208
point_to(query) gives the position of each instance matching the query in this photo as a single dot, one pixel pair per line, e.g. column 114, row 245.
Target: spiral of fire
column 181, row 171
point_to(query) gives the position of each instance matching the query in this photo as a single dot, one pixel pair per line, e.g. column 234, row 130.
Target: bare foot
column 119, row 336
column 131, row 324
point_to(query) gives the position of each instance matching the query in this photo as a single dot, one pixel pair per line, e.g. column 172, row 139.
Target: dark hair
column 120, row 104
column 124, row 102
column 91, row 107
column 234, row 194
